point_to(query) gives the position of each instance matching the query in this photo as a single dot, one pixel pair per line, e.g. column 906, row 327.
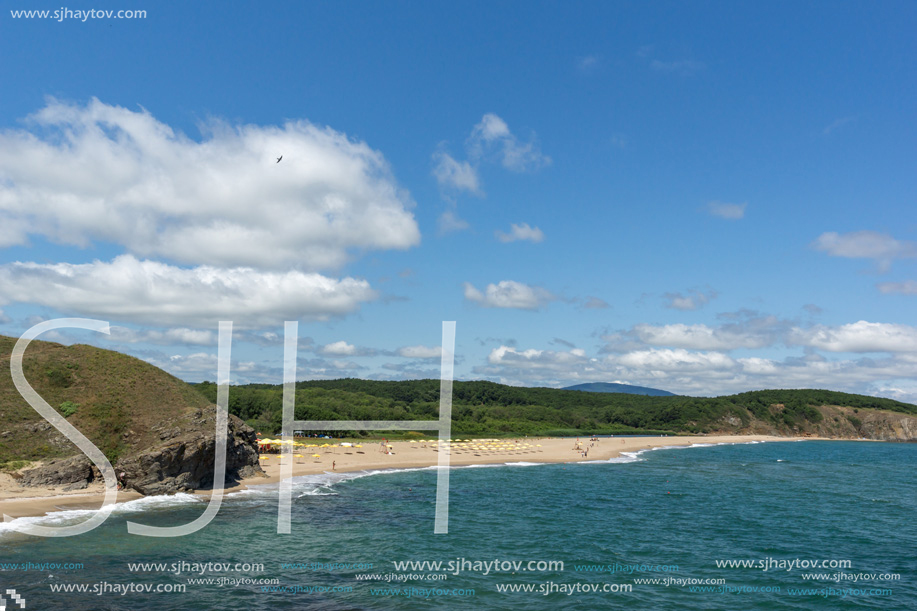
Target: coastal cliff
column 836, row 422
column 153, row 427
column 181, row 462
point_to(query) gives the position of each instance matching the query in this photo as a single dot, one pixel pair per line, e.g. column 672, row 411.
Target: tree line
column 481, row 407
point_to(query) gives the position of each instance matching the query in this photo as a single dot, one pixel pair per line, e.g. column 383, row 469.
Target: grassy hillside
column 113, row 399
column 488, row 408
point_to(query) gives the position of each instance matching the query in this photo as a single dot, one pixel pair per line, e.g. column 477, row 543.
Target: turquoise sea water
column 666, row 514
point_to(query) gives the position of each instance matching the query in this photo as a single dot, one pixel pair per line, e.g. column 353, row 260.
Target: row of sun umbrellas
column 290, row 442
column 458, row 445
column 482, row 445
column 299, row 444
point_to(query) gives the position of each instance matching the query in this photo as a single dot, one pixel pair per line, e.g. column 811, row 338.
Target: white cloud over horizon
column 509, row 294
column 167, row 337
column 149, row 292
column 703, row 373
column 701, row 337
column 340, row 348
column 421, row 352
column 861, row 336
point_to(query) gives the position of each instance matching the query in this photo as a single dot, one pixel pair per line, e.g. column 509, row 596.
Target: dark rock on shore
column 182, row 461
column 185, row 459
column 75, row 470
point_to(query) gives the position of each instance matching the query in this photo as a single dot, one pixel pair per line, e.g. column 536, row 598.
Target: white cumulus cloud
column 861, row 336
column 693, row 300
column 340, row 348
column 492, row 136
column 880, row 247
column 167, row 337
column 459, row 175
column 156, row 293
column 677, row 360
column 701, row 337
column 509, row 294
column 81, row 174
column 521, row 231
column 421, row 352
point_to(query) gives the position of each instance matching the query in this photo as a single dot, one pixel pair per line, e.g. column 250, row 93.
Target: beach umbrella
column 316, row 456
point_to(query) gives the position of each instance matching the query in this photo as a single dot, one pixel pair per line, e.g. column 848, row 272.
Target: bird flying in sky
column 279, row 158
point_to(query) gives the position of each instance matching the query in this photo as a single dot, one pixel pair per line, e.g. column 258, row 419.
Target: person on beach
column 333, row 463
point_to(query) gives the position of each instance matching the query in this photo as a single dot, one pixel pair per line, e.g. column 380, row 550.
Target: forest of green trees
column 487, row 408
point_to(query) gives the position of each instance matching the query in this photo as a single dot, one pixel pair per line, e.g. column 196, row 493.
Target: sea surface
column 671, row 515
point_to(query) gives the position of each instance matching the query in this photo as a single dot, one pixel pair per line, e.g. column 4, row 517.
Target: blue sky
column 706, row 198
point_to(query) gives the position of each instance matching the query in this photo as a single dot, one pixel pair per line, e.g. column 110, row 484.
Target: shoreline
column 404, row 455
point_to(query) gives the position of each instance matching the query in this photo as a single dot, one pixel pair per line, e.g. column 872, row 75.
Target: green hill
column 115, row 400
column 487, row 408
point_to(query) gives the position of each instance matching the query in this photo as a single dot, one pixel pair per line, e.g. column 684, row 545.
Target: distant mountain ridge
column 624, row 388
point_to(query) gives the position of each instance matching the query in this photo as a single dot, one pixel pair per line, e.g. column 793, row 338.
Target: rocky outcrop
column 75, row 472
column 184, row 460
column 837, row 422
column 867, row 424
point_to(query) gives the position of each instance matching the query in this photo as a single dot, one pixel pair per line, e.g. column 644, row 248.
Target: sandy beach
column 17, row 501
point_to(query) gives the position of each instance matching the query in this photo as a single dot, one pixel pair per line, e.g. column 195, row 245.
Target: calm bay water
column 678, row 511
